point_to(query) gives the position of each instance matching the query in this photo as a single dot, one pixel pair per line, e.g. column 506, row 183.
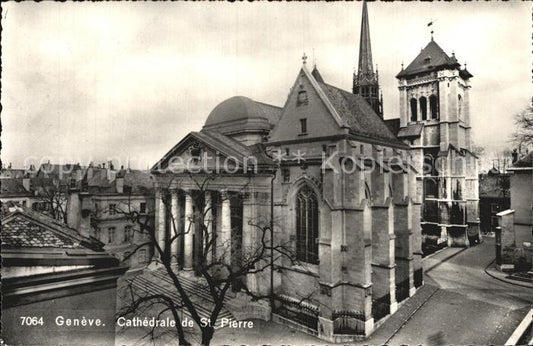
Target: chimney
column 79, row 211
column 120, row 184
column 515, row 155
column 26, row 183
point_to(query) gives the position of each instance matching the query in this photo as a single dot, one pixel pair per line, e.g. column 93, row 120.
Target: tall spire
column 366, row 81
column 365, row 49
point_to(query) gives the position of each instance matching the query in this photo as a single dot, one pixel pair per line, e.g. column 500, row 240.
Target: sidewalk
column 395, row 322
column 498, row 275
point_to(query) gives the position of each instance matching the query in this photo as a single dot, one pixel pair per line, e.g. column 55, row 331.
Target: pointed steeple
column 366, row 81
column 365, row 49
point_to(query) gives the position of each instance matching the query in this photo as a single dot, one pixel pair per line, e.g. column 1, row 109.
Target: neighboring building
column 494, row 197
column 344, row 201
column 17, row 190
column 522, row 198
column 114, row 197
column 435, row 122
column 514, row 234
column 50, row 271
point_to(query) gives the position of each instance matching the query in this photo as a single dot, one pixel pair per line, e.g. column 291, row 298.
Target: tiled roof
column 25, row 228
column 359, row 115
column 432, row 57
column 22, row 232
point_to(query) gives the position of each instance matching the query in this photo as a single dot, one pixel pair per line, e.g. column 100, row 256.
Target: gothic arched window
column 307, row 226
column 424, row 108
column 434, row 107
column 414, row 110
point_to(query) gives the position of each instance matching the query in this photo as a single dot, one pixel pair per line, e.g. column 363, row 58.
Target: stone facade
column 435, row 122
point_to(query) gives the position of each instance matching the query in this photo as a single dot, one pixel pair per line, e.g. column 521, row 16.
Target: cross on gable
column 304, row 58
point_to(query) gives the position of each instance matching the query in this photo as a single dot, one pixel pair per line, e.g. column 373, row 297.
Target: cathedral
column 342, row 190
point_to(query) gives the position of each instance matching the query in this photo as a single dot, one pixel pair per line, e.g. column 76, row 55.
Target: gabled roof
column 358, row 115
column 431, row 58
column 217, row 142
column 24, row 228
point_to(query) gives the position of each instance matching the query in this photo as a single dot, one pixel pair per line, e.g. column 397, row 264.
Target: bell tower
column 366, row 80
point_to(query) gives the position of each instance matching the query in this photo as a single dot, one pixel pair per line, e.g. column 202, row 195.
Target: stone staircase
column 158, row 281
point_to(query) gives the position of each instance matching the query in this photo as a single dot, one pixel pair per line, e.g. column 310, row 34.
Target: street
column 470, row 307
column 464, row 306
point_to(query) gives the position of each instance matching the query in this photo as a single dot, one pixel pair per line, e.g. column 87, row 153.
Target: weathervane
column 430, row 24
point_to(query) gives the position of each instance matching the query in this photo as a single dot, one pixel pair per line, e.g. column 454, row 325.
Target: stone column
column 224, row 238
column 208, row 221
column 161, row 220
column 188, row 232
column 174, row 227
column 249, row 237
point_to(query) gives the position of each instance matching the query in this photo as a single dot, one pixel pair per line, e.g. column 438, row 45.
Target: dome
column 233, row 109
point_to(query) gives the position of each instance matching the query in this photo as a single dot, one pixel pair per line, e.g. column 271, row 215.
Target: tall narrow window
column 460, row 107
column 303, row 125
column 307, row 226
column 111, row 235
column 434, row 107
column 414, row 110
column 424, row 108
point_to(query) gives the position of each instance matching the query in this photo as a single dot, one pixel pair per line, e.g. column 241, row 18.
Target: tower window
column 303, row 125
column 424, row 108
column 434, row 107
column 364, row 92
column 459, row 107
column 414, row 110
column 307, row 226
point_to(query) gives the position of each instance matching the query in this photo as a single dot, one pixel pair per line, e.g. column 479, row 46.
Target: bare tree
column 52, row 198
column 217, row 274
column 523, row 135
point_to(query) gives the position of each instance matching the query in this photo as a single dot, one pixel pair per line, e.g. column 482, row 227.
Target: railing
column 297, row 311
column 348, row 322
column 402, row 290
column 418, row 278
column 381, row 307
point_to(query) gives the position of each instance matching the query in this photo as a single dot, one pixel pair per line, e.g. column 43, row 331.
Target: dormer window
column 427, row 60
column 302, row 98
column 303, row 125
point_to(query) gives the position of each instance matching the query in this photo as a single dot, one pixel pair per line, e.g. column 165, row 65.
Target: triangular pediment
column 209, row 151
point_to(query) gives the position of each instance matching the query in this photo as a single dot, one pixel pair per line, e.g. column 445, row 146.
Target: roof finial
column 304, row 58
column 402, row 65
column 314, row 59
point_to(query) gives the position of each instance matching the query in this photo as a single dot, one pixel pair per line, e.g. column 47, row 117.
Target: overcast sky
column 91, row 81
